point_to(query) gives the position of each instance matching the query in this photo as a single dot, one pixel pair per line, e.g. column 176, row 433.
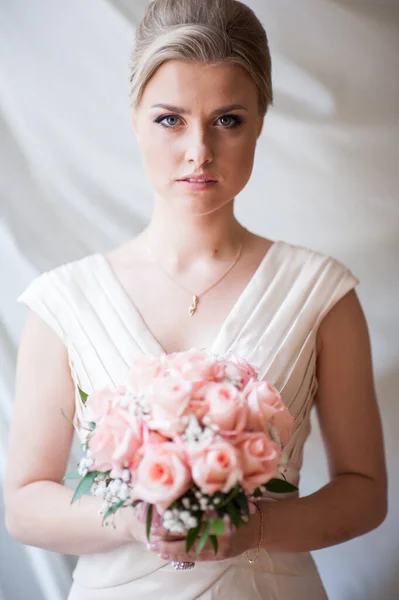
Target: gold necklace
column 196, row 297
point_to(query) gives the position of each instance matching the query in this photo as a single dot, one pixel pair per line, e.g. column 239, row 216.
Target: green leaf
column 83, row 395
column 242, row 501
column 74, row 474
column 278, row 486
column 112, row 509
column 149, row 521
column 214, row 541
column 84, row 485
column 234, row 514
column 204, row 536
column 229, row 496
column 192, row 536
column 218, row 526
column 92, row 425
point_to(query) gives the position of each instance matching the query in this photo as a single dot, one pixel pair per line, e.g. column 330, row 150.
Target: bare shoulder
column 256, row 248
column 346, row 318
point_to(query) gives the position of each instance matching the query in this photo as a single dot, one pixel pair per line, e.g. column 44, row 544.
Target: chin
column 201, row 210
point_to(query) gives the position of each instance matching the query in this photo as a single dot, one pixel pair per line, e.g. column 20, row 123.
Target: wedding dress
column 272, row 324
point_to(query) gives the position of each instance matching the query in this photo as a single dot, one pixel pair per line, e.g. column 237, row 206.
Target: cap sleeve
column 335, row 282
column 40, row 297
column 47, row 296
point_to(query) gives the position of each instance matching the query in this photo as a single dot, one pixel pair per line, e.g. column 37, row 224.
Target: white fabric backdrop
column 325, row 176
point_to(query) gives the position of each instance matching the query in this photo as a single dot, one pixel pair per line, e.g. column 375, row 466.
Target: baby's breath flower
column 186, row 502
column 204, row 503
column 124, row 491
column 116, row 474
column 125, row 475
column 98, row 488
column 84, row 466
column 192, row 522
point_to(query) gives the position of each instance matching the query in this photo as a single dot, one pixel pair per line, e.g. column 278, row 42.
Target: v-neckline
column 155, row 346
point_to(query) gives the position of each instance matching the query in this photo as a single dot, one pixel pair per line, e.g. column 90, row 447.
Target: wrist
column 268, row 512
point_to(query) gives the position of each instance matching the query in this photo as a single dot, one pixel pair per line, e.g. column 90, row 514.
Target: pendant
column 193, row 306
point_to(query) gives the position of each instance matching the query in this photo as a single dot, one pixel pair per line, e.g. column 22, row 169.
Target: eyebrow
column 184, row 111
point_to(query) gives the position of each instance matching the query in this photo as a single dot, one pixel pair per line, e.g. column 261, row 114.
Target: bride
column 200, row 80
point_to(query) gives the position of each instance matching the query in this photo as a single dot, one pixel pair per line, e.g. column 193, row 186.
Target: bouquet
column 190, row 435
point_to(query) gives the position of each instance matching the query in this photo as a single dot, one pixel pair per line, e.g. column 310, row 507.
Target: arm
column 38, row 509
column 355, row 500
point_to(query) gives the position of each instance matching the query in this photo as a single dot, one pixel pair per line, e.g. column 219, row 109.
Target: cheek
column 159, row 156
column 238, row 156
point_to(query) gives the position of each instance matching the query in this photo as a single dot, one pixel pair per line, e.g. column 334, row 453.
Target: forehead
column 194, row 84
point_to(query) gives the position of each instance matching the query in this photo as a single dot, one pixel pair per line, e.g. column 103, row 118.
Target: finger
column 161, row 546
column 160, row 531
column 203, row 556
column 184, row 557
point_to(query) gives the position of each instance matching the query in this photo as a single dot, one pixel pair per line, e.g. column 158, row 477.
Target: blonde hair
column 208, row 31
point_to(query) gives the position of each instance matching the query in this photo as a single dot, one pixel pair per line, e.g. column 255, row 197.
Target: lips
column 199, row 179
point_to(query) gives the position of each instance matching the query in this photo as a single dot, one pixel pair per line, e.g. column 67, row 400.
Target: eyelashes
column 235, row 121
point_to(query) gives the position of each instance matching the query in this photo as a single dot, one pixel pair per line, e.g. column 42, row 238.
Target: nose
column 199, row 151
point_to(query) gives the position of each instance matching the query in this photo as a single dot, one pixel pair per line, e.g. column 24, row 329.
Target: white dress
column 273, row 324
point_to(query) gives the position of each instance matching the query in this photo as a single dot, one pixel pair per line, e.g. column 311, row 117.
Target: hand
column 136, row 526
column 233, row 542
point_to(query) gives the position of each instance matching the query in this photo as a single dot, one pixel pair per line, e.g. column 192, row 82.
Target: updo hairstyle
column 206, row 31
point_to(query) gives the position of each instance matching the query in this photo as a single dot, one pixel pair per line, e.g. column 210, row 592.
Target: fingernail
column 154, row 546
column 164, row 556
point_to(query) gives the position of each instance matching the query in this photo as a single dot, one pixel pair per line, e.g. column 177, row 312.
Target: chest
column 165, row 307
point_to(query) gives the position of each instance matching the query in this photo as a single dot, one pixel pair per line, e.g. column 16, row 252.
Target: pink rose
column 227, row 408
column 98, row 404
column 239, row 371
column 162, row 475
column 169, row 399
column 236, row 370
column 259, row 457
column 193, row 365
column 115, row 441
column 266, row 406
column 143, row 371
column 215, row 467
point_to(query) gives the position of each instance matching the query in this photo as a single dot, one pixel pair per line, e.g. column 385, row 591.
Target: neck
column 183, row 239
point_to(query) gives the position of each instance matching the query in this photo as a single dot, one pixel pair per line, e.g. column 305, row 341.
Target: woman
column 195, row 277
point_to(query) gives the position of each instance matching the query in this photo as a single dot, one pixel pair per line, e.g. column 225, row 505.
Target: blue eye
column 171, row 121
column 167, row 118
column 232, row 121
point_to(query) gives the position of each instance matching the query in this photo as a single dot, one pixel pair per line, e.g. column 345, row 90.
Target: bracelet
column 252, row 560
